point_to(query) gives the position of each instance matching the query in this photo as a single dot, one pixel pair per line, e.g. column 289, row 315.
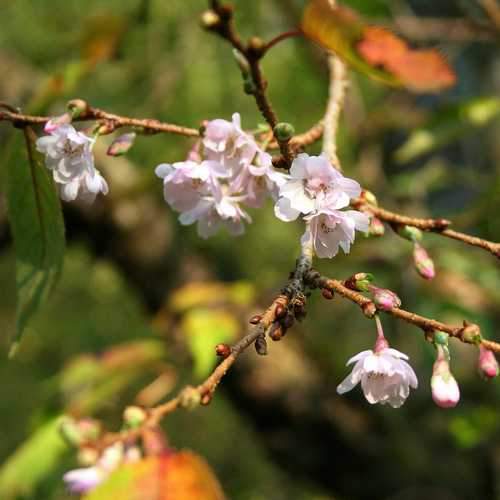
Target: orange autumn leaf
column 373, row 50
column 177, row 476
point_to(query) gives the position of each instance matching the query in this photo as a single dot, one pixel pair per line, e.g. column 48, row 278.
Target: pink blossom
column 445, row 391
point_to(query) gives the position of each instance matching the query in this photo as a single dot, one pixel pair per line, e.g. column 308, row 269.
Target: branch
column 439, row 226
column 116, row 121
column 253, row 52
column 462, row 333
column 338, row 85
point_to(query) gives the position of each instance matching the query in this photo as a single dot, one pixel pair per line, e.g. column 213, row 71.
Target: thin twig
column 117, row 121
column 283, row 36
column 426, row 324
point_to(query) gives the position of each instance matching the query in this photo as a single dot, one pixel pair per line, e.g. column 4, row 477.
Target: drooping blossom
column 224, row 171
column 319, row 192
column 445, row 390
column 68, row 154
column 87, row 478
column 423, row 262
column 384, row 374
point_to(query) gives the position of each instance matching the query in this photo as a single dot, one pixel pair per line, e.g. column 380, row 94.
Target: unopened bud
column 77, row 108
column 206, row 399
column 56, row 122
column 280, row 311
column 255, row 320
column 222, row 350
column 134, row 416
column 445, row 391
column 369, row 309
column 276, row 332
column 384, row 299
column 368, row 197
column 122, row 144
column 189, row 398
column 327, row 294
column 210, row 20
column 409, row 232
column 376, row 227
column 423, row 263
column 471, row 333
column 441, row 338
column 288, row 321
column 256, row 45
column 360, row 282
column 284, row 131
column 261, row 345
column 487, row 363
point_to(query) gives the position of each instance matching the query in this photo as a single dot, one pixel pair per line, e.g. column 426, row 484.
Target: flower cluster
column 68, row 154
column 211, row 186
column 319, row 192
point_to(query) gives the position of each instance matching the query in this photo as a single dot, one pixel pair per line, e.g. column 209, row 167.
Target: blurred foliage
column 135, row 281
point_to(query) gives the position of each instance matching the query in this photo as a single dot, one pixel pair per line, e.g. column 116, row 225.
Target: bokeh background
column 143, row 300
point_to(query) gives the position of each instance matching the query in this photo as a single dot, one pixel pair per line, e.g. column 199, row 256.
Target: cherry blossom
column 384, row 374
column 223, row 172
column 68, row 154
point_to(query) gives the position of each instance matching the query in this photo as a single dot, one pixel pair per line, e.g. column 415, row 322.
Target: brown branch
column 283, row 36
column 116, row 121
column 253, row 52
column 462, row 333
column 439, row 226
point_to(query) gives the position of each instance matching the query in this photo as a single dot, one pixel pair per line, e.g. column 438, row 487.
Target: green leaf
column 447, row 125
column 32, row 461
column 37, row 228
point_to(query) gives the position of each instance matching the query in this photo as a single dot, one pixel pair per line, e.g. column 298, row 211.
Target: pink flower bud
column 56, row 122
column 384, row 299
column 121, row 144
column 487, row 363
column 423, row 262
column 445, row 391
column 376, row 227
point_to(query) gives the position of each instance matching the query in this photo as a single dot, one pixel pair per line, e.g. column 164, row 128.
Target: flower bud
column 189, row 398
column 327, row 294
column 384, row 299
column 256, row 45
column 77, row 108
column 276, row 332
column 487, row 363
column 210, row 20
column 105, row 127
column 121, row 144
column 369, row 309
column 445, row 391
column 368, row 197
column 134, row 416
column 222, row 350
column 471, row 333
column 284, row 131
column 56, row 122
column 376, row 227
column 423, row 263
column 409, row 232
column 359, row 282
column 441, row 338
column 280, row 311
column 288, row 321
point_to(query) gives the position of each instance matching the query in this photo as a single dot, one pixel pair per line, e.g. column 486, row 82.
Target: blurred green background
column 154, row 298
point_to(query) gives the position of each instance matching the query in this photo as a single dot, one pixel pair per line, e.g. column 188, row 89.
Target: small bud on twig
column 210, row 20
column 384, row 299
column 368, row 197
column 487, row 363
column 376, row 227
column 134, row 416
column 284, row 131
column 471, row 333
column 255, row 320
column 409, row 233
column 369, row 309
column 288, row 321
column 360, row 282
column 121, row 144
column 280, row 311
column 261, row 345
column 222, row 350
column 327, row 294
column 423, row 263
column 276, row 332
column 77, row 108
column 189, row 398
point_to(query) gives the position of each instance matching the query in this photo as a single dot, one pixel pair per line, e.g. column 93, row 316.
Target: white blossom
column 385, row 376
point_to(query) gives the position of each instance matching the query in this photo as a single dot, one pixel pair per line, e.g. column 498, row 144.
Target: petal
column 284, row 211
column 350, row 381
column 163, row 170
column 361, row 355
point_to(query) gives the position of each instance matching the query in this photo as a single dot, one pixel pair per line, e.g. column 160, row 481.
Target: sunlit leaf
column 373, row 50
column 204, row 328
column 37, row 228
column 447, row 125
column 35, row 459
column 176, row 476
